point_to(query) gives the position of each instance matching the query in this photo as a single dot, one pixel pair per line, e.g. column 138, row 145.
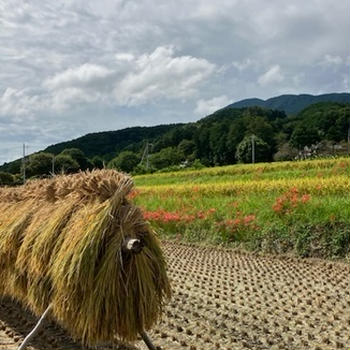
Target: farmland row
column 329, row 185
column 261, row 171
column 279, row 212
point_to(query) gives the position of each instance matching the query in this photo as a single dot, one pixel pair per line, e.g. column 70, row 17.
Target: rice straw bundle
column 61, row 243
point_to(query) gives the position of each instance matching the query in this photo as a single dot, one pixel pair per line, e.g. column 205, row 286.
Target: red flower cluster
column 164, row 216
column 290, row 200
column 239, row 223
column 161, row 215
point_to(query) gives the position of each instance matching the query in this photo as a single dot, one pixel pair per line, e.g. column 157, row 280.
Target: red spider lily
column 248, row 219
column 188, row 218
column 163, row 216
column 201, row 215
column 290, row 200
column 236, row 221
column 305, row 198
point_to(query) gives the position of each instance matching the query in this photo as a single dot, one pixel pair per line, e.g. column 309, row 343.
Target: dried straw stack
column 61, row 244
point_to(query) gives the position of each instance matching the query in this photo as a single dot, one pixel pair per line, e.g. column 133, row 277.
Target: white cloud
column 82, row 76
column 66, row 98
column 242, row 65
column 162, row 75
column 17, row 103
column 128, row 57
column 332, row 60
column 206, row 107
column 272, row 76
column 130, row 80
column 86, row 83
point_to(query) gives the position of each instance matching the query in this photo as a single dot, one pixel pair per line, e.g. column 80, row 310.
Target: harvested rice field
column 223, row 299
column 16, row 323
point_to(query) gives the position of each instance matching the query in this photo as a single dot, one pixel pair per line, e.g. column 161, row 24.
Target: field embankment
column 301, row 207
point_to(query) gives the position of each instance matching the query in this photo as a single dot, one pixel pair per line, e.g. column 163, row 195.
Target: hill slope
column 291, row 104
column 214, row 140
column 111, row 142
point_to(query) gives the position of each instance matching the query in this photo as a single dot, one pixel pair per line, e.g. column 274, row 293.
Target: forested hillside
column 108, row 143
column 225, row 137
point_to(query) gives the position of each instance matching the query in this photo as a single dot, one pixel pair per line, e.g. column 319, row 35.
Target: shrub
column 6, row 179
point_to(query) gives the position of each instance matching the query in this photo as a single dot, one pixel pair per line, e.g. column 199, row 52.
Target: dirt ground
column 228, row 300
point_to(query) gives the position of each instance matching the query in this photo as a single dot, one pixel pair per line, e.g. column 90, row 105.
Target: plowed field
column 228, row 300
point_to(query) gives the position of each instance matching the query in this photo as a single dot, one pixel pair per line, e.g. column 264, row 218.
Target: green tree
column 97, row 162
column 304, row 136
column 197, row 164
column 186, row 147
column 65, row 164
column 329, row 119
column 259, row 126
column 244, row 150
column 235, row 135
column 40, row 164
column 79, row 156
column 6, row 179
column 12, row 167
column 217, row 141
column 280, row 138
column 165, row 158
column 125, row 161
column 201, row 139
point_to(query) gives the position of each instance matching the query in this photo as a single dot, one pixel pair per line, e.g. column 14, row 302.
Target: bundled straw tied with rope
column 76, row 243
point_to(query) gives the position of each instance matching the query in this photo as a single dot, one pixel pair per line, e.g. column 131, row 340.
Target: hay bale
column 61, row 243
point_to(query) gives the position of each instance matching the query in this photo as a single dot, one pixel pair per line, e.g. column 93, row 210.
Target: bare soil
column 223, row 299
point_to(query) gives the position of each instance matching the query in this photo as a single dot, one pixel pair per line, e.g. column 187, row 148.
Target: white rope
column 35, row 329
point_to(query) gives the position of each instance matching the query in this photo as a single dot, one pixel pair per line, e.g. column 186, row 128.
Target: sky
column 72, row 67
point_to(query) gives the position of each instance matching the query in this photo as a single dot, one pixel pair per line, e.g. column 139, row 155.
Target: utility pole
column 53, row 165
column 146, row 154
column 147, row 159
column 253, row 149
column 149, row 147
column 24, row 163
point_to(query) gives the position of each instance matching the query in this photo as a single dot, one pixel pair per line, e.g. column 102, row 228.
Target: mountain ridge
column 290, row 103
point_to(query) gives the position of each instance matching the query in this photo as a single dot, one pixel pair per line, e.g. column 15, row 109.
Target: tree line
column 222, row 138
